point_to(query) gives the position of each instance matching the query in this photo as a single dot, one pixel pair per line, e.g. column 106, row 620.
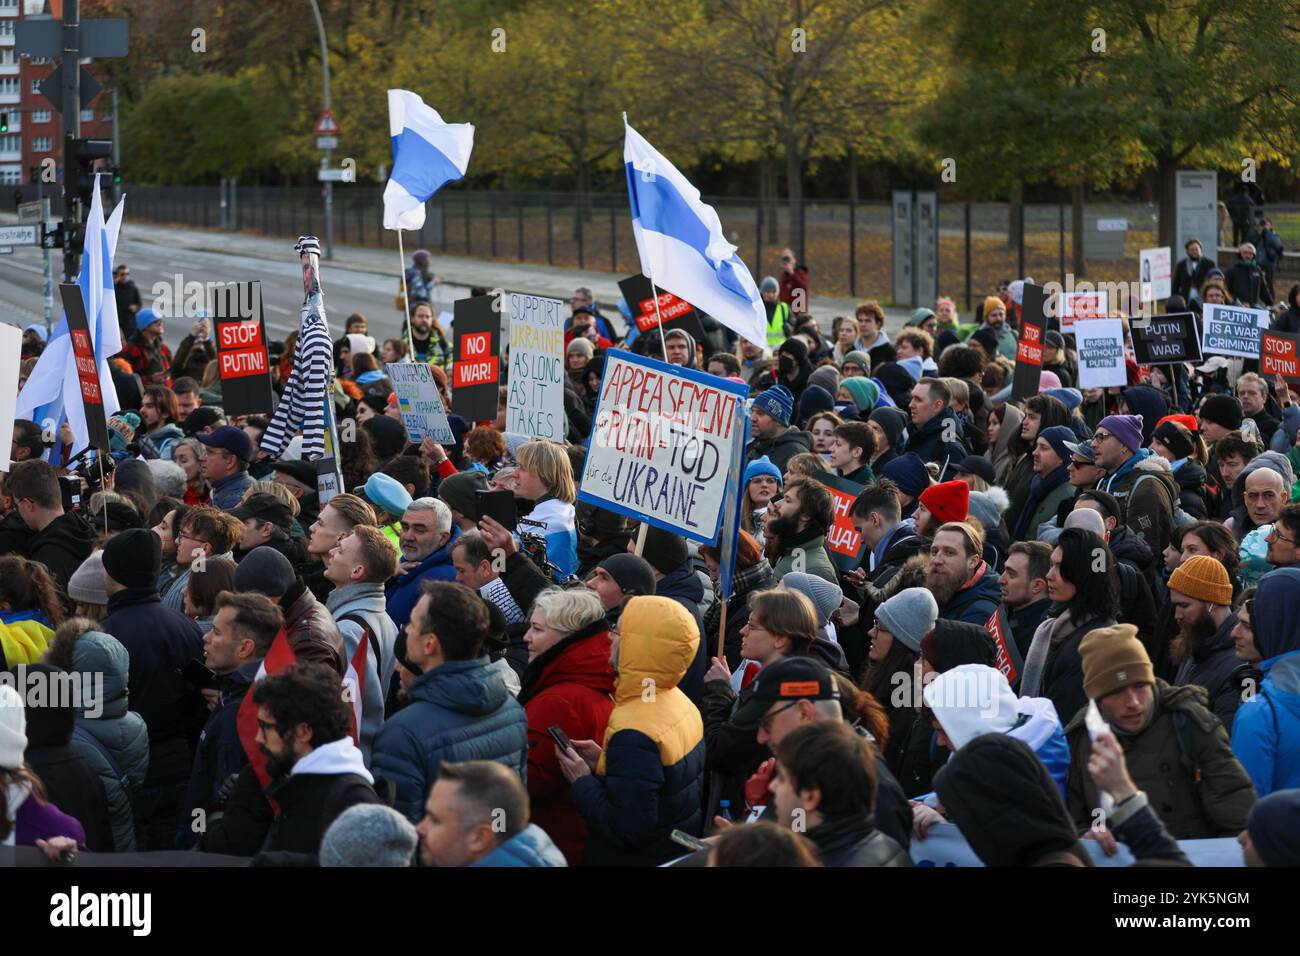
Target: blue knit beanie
column 909, row 473
column 813, row 400
column 763, row 466
column 777, row 402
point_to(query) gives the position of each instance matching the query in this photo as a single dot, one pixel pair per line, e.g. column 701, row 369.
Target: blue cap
column 386, row 492
column 231, row 439
column 146, row 317
column 1071, row 398
column 763, row 466
column 909, row 473
column 777, row 402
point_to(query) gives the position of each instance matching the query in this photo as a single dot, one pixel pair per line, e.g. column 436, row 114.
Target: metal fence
column 847, row 244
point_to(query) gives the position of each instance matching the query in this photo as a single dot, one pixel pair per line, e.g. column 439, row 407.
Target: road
column 159, row 268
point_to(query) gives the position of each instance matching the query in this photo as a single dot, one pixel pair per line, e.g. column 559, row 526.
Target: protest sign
column 1166, row 340
column 1157, row 270
column 241, row 349
column 475, row 370
column 419, row 402
column 1072, row 306
column 945, row 846
column 87, row 368
column 536, row 402
column 1029, row 351
column 1100, row 346
column 11, row 348
column 676, row 313
column 1232, row 330
column 1279, row 354
column 1008, row 661
column 661, row 444
column 842, row 538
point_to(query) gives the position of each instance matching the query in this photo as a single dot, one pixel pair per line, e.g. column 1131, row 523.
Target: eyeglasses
column 265, row 729
column 1100, row 437
column 765, row 724
column 1275, row 533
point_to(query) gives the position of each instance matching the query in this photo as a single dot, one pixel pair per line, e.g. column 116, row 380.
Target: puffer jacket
column 355, row 606
column 402, row 592
column 529, row 847
column 685, row 587
column 941, row 439
column 571, row 686
column 1190, row 478
column 459, row 710
column 311, row 630
column 1182, row 760
column 116, row 732
column 650, row 777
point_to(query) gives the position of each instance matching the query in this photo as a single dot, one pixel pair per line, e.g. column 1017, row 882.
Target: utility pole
column 325, row 160
column 71, row 113
column 117, row 152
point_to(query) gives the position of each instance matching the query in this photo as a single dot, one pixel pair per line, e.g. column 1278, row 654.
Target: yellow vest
column 776, row 326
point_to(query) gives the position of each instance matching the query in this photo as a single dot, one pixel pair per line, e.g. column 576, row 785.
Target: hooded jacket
column 160, row 643
column 650, row 777
column 570, row 685
column 1181, row 759
column 1266, row 732
column 1148, row 402
column 459, row 710
column 999, row 453
column 402, row 592
column 62, row 546
column 1145, row 487
column 1216, row 667
column 976, row 601
column 117, row 733
column 781, row 449
column 941, row 439
column 1006, row 805
column 684, row 586
column 320, row 786
column 359, row 608
column 531, row 846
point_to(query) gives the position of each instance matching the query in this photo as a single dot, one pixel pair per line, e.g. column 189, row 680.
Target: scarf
column 1039, row 489
column 1049, row 633
column 744, row 581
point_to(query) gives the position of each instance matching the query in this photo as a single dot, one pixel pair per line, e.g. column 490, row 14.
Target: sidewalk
column 551, row 281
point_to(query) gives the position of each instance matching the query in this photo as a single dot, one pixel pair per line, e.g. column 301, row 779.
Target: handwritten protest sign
column 841, row 537
column 420, row 403
column 536, row 403
column 1072, row 306
column 1232, row 330
column 1100, row 345
column 661, row 444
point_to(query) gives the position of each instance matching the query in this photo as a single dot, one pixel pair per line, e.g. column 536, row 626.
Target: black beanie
column 265, row 571
column 633, row 575
column 1223, row 410
column 133, row 558
column 1176, row 438
column 389, row 435
column 665, row 551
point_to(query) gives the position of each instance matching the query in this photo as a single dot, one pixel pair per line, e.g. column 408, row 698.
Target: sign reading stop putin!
column 241, row 349
column 1279, row 354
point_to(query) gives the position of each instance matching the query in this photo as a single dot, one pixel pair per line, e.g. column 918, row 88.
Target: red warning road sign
column 326, row 124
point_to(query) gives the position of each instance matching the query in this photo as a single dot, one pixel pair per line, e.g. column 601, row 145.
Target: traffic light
column 4, row 122
column 85, row 153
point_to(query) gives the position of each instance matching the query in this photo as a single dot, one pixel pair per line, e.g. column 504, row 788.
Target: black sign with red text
column 476, row 367
column 676, row 313
column 1029, row 350
column 83, row 350
column 241, row 349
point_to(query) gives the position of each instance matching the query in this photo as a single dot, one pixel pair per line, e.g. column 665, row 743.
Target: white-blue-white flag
column 427, row 154
column 55, row 374
column 682, row 246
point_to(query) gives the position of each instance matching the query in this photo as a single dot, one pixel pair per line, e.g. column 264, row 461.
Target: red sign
column 243, row 362
column 1279, row 354
column 239, row 335
column 670, row 307
column 326, row 124
column 1008, row 661
column 86, row 371
column 483, row 372
column 1030, row 349
column 841, row 537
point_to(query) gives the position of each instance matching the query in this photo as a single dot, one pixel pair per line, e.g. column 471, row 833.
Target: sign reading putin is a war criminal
column 1232, row 330
column 535, row 406
column 661, row 443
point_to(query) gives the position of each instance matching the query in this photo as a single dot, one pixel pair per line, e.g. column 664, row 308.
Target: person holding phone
column 545, row 477
column 568, row 693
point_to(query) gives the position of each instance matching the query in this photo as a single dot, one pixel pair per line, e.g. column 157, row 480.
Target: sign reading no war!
column 660, row 444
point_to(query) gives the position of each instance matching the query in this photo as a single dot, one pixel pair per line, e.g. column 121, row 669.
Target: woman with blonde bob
column 543, row 475
column 569, row 684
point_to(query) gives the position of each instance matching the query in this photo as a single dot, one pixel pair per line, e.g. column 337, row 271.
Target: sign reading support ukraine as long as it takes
column 661, row 444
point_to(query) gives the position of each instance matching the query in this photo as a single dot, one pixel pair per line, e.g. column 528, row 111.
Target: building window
column 10, row 144
column 87, row 116
column 42, row 144
column 106, row 116
column 36, row 84
column 11, row 177
column 7, row 54
column 8, row 85
column 41, row 116
column 6, row 28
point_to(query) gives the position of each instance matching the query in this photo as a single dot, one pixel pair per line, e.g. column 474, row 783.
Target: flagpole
column 406, row 296
column 722, row 629
column 659, row 320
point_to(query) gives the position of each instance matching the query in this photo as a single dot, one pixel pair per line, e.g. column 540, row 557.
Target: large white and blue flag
column 683, row 248
column 55, row 374
column 427, row 154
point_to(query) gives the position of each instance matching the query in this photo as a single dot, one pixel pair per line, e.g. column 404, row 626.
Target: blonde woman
column 543, row 475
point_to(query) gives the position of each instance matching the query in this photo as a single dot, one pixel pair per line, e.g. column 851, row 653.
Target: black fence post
column 443, row 219
column 519, row 214
column 1061, row 209
column 853, row 248
column 467, row 240
column 1020, row 243
column 577, row 219
column 613, row 241
column 758, row 239
column 550, row 251
column 968, row 277
column 492, row 212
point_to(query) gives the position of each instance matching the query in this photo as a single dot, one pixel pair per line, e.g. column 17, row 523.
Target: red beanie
column 1187, row 421
column 949, row 501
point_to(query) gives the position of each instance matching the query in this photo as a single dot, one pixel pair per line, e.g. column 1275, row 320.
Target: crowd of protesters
column 1075, row 617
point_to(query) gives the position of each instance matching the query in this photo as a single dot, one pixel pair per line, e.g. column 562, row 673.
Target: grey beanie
column 266, row 571
column 1273, row 460
column 909, row 615
column 369, row 834
column 769, row 284
column 825, row 596
column 1087, row 519
column 168, row 477
column 86, row 586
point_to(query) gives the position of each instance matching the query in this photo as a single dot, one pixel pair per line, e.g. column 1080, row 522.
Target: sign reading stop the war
column 1029, row 350
column 83, row 350
column 476, row 370
column 241, row 349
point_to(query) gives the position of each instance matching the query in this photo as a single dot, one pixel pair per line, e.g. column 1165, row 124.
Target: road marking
column 276, row 308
